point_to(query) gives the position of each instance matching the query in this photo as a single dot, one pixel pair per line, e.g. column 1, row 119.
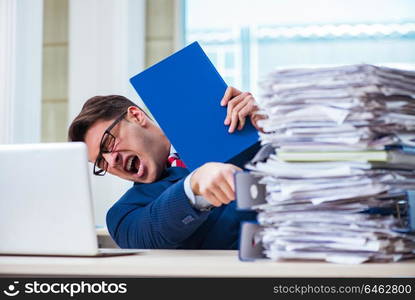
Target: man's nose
column 114, row 159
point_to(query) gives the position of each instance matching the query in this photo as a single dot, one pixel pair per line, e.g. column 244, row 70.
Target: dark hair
column 97, row 108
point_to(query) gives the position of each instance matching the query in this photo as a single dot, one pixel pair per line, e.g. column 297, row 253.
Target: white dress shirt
column 197, row 202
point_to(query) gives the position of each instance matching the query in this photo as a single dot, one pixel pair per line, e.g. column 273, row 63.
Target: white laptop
column 45, row 201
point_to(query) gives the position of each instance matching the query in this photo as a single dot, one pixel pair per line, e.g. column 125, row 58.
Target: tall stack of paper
column 343, row 138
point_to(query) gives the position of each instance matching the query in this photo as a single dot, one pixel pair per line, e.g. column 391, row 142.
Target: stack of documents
column 351, row 107
column 344, row 156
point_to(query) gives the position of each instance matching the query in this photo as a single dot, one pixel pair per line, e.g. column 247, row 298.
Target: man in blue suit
column 167, row 208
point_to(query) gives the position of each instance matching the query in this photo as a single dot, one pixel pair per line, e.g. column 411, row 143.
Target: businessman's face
column 140, row 151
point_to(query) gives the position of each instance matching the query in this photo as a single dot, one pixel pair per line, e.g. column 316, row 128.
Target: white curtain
column 7, row 33
column 20, row 70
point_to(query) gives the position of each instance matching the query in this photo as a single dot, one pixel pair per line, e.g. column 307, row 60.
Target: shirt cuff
column 197, row 202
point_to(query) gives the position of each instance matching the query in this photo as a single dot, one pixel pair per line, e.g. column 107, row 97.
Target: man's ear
column 136, row 115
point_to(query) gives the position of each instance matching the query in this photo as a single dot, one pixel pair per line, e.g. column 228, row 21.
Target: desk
column 191, row 263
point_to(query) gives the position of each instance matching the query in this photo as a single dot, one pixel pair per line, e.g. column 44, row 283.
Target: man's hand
column 214, row 181
column 240, row 105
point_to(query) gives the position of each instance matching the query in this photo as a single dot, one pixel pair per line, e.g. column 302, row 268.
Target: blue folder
column 183, row 93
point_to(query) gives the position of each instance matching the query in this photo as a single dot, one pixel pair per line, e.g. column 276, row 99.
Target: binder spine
column 405, row 211
column 411, row 210
column 249, row 192
column 249, row 247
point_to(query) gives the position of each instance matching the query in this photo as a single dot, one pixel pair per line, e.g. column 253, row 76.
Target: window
column 247, row 39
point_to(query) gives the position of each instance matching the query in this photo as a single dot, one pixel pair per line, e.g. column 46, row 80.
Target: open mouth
column 133, row 164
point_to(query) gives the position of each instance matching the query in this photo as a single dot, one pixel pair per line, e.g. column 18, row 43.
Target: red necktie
column 175, row 161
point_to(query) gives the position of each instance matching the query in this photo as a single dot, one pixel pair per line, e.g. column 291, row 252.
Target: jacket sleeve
column 163, row 223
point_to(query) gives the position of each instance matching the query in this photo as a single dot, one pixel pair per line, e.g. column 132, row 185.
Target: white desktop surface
column 191, row 263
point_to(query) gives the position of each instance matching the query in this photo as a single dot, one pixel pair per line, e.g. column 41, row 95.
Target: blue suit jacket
column 159, row 215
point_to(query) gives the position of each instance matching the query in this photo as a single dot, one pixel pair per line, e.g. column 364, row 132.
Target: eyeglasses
column 106, row 146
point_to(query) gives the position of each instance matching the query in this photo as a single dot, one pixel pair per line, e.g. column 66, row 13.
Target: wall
column 55, row 71
column 162, row 29
column 161, row 40
column 106, row 48
column 67, row 83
